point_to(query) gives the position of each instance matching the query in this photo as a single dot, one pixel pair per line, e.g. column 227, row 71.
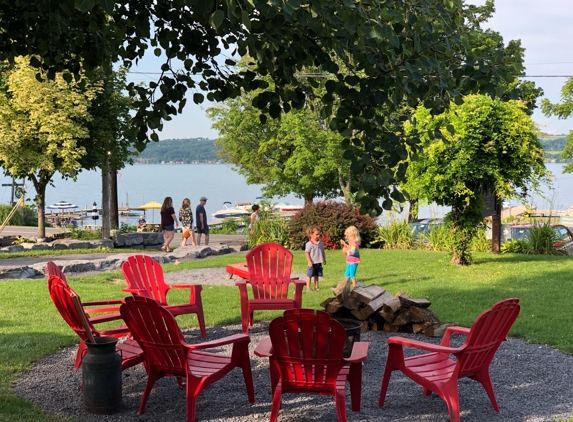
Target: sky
column 543, row 26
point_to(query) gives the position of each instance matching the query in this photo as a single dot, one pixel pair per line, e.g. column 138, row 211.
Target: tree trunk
column 40, row 182
column 413, row 211
column 308, row 198
column 345, row 182
column 113, row 207
column 105, row 227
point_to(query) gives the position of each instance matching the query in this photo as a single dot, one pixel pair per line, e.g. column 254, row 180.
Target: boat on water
column 240, row 209
column 287, row 207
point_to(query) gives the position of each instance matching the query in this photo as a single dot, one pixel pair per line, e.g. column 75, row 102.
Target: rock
column 13, row 248
column 36, row 246
column 78, row 266
column 132, row 239
column 152, row 239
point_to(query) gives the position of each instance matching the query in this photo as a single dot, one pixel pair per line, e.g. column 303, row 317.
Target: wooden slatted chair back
column 143, row 273
column 308, row 349
column 486, row 335
column 62, row 295
column 157, row 333
column 269, row 266
column 53, row 269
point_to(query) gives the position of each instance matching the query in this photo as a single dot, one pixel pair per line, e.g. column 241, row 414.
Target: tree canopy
column 483, row 146
column 42, row 125
column 407, row 51
column 563, row 110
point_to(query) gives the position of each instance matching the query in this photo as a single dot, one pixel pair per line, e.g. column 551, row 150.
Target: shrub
column 332, row 218
column 515, row 246
column 480, row 242
column 25, row 216
column 84, row 234
column 438, row 238
column 126, row 228
column 397, row 234
column 541, row 239
column 269, row 228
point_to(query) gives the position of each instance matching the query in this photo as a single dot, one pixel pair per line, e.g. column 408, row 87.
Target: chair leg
column 245, row 318
column 79, row 354
column 192, row 392
column 394, row 361
column 339, row 401
column 248, row 376
column 251, row 318
column 485, row 379
column 201, row 320
column 450, row 394
column 355, row 381
column 277, row 395
column 151, row 378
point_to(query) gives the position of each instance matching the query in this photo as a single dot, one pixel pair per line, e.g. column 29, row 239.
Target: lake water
column 139, row 184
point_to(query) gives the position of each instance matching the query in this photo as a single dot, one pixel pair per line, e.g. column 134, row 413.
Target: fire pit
column 352, row 328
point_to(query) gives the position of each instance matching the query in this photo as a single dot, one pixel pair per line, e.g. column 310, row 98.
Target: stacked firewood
column 379, row 310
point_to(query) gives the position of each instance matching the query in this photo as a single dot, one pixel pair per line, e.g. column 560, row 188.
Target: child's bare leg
column 353, row 283
column 316, row 283
column 308, row 284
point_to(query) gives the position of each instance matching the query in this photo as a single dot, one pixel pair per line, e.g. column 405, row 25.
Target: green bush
column 229, row 226
column 541, row 239
column 480, row 242
column 269, row 228
column 332, row 218
column 25, row 216
column 515, row 246
column 84, row 234
column 395, row 235
column 439, row 238
column 126, row 228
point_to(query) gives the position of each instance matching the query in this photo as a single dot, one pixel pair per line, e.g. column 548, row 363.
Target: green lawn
column 30, row 326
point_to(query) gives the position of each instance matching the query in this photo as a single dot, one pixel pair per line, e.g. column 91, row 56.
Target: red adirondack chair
column 53, row 270
column 437, row 372
column 167, row 353
column 62, row 295
column 306, row 356
column 269, row 266
column 144, row 277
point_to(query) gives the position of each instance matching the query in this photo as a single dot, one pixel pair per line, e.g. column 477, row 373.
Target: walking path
column 34, row 266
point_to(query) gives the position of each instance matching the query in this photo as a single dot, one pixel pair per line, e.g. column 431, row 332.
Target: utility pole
column 13, row 194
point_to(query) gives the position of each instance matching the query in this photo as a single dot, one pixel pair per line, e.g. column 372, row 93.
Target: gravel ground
column 532, row 383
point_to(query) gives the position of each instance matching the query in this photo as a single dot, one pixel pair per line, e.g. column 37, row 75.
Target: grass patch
column 30, row 326
column 62, row 252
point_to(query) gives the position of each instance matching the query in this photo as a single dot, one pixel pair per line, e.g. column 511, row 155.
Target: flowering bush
column 332, row 218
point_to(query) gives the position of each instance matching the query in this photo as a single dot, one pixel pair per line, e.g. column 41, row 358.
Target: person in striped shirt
column 350, row 248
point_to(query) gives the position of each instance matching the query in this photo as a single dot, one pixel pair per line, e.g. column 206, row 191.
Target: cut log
column 407, row 301
column 402, row 318
column 417, row 315
column 436, row 330
column 326, row 302
column 374, row 306
column 429, row 316
column 342, row 290
column 390, row 328
column 418, row 328
column 333, row 306
column 393, row 304
column 367, row 294
column 351, row 303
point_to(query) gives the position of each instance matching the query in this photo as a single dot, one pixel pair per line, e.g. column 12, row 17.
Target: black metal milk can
column 101, row 374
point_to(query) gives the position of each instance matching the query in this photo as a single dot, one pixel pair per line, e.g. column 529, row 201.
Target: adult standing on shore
column 186, row 219
column 168, row 223
column 202, row 226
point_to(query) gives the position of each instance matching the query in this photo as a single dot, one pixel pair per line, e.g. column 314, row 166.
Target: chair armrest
column 236, row 338
column 298, row 286
column 451, row 330
column 359, row 352
column 194, row 290
column 100, row 310
column 140, row 292
column 264, row 349
column 429, row 347
column 104, row 302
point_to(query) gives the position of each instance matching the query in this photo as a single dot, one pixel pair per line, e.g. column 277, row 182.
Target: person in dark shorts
column 202, row 226
column 168, row 223
column 314, row 251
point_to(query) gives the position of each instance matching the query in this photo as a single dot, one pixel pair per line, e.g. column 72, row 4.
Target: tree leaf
column 217, row 19
column 84, row 5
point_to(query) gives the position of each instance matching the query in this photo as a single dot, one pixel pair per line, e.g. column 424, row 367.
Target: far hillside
column 553, row 145
column 183, row 151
